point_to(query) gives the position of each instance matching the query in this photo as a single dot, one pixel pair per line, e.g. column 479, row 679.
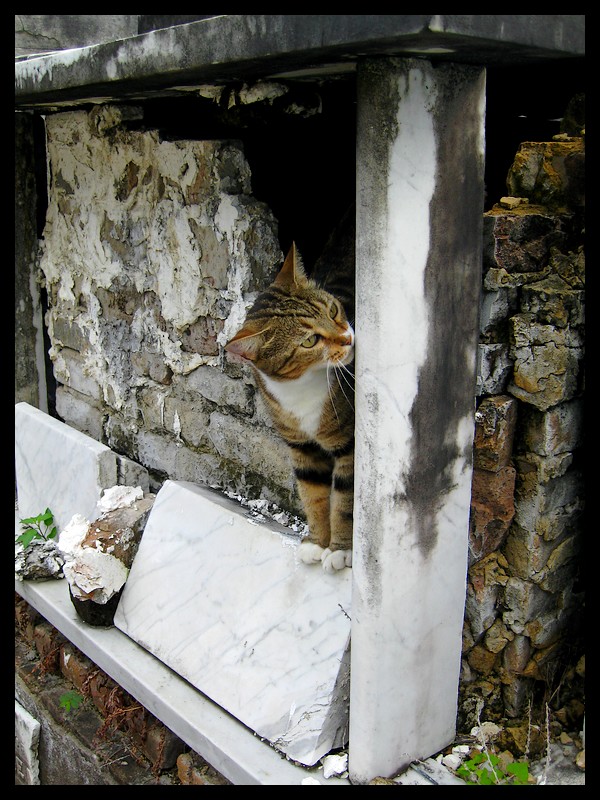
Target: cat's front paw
column 334, row 560
column 310, row 553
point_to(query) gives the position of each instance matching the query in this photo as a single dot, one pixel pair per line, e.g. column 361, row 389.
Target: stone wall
column 524, row 600
column 152, row 251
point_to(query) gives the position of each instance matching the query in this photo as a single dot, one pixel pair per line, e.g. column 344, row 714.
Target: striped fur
column 300, row 343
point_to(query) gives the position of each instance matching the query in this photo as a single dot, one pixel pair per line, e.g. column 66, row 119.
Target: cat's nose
column 348, row 339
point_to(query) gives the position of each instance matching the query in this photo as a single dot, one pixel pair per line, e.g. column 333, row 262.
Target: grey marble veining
column 228, row 606
column 58, row 467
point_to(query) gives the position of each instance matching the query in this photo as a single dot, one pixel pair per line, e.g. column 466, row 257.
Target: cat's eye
column 310, row 341
column 333, row 310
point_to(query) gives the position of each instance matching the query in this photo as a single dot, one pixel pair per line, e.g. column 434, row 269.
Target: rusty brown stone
column 519, row 240
column 481, row 659
column 492, row 509
column 495, row 423
column 193, row 770
column 119, row 532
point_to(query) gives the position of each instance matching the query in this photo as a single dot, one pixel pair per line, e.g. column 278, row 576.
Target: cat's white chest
column 303, row 397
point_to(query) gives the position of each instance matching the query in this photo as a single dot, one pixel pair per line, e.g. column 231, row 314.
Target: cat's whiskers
column 344, row 372
column 329, row 364
column 339, row 370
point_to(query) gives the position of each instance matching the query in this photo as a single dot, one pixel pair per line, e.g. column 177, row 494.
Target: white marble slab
column 58, row 467
column 27, row 739
column 228, row 606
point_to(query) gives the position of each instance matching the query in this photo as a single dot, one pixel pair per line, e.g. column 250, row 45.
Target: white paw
column 310, row 553
column 336, row 559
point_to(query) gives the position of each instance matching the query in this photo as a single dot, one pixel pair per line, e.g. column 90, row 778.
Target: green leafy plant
column 70, row 700
column 485, row 769
column 40, row 527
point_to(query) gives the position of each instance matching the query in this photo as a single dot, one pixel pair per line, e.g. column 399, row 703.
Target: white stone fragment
column 486, row 731
column 71, row 537
column 452, row 761
column 94, row 575
column 119, row 497
column 334, row 765
column 461, row 750
column 263, row 90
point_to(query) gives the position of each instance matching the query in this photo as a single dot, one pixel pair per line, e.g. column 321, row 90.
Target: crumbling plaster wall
column 152, row 251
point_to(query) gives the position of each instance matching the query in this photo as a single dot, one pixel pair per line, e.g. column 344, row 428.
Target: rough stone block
column 58, row 467
column 250, row 444
column 162, row 746
column 496, row 307
column 549, row 564
column 550, row 173
column 495, row 422
column 520, row 240
column 219, row 388
column 492, row 509
column 80, row 411
column 170, row 457
column 76, row 667
column 227, row 605
column 554, row 302
column 130, row 473
column 186, row 419
column 70, row 368
column 494, row 368
column 486, row 580
column 558, row 430
column 524, row 601
column 545, row 508
column 547, row 359
column 201, row 337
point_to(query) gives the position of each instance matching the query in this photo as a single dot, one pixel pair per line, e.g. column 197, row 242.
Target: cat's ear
column 245, row 343
column 292, row 273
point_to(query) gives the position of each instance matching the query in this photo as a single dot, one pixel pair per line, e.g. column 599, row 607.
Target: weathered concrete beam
column 248, row 46
column 419, row 207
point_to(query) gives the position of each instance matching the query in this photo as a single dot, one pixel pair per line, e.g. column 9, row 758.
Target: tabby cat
column 300, row 342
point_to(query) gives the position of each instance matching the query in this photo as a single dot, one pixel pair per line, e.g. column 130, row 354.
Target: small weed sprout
column 70, row 700
column 40, row 527
column 485, row 768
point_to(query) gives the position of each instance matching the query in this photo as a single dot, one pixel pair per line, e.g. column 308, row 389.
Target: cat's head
column 294, row 326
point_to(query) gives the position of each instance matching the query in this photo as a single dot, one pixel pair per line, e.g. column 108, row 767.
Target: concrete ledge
column 246, row 46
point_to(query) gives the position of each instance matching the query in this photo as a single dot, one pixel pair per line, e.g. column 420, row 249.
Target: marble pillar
column 420, row 162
